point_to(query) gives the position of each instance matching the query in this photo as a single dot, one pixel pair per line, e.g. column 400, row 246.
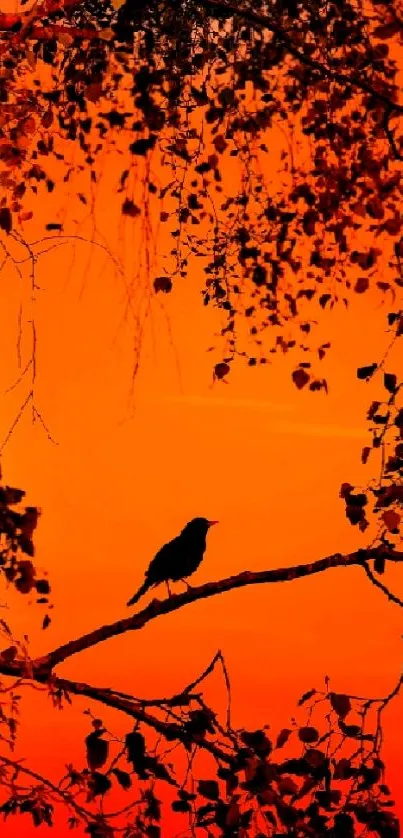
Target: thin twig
column 383, row 588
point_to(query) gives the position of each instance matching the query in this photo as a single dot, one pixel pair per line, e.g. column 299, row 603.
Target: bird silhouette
column 178, row 558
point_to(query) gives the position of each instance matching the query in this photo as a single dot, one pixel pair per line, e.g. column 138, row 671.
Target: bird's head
column 198, row 526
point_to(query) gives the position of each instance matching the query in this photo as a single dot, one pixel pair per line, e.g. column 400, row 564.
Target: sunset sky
column 129, row 462
column 127, row 473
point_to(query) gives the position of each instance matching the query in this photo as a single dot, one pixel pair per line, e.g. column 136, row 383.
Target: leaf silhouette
column 341, row 704
column 97, row 749
column 122, row 777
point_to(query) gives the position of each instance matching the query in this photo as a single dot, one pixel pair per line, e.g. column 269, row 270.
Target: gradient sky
column 130, row 468
column 264, row 459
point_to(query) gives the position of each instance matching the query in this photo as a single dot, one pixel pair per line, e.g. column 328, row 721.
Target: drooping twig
column 371, row 576
column 16, row 421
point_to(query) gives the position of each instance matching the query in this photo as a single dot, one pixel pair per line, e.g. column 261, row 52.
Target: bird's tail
column 142, row 589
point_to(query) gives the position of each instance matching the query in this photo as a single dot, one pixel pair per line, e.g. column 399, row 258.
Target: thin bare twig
column 391, row 597
column 83, row 813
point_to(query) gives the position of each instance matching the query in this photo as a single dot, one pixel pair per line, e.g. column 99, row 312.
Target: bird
column 178, row 558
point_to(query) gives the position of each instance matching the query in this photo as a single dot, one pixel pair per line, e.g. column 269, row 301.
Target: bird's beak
column 210, row 523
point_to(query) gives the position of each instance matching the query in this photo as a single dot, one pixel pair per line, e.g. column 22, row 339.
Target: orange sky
column 263, row 458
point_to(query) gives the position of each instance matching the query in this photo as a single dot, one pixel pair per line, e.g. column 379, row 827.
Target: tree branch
column 159, row 607
column 43, row 781
column 132, row 707
column 391, row 597
column 264, row 22
column 170, row 730
column 28, row 29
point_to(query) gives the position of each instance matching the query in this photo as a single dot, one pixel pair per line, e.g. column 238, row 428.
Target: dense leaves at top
column 265, row 140
column 267, row 136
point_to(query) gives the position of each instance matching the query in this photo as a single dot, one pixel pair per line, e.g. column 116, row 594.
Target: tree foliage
column 321, row 775
column 263, row 138
column 17, row 548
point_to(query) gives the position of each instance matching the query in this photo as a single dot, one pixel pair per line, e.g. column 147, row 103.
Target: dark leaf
column 283, row 737
column 308, row 734
column 353, row 731
column 306, row 696
column 180, row 806
column 379, row 564
column 300, row 378
column 209, row 789
column 257, row 741
column 99, row 783
column 259, row 276
column 9, row 654
column 221, row 370
column 366, row 372
column 122, row 777
column 361, row 285
column 6, row 219
column 136, row 752
column 158, row 769
column 42, row 586
column 286, row 785
column 130, row 208
column 97, row 749
column 140, row 147
column 391, row 519
column 163, row 283
column 341, row 704
column 390, row 382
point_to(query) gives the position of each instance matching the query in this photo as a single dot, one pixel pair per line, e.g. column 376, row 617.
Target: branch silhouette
column 40, row 670
column 28, row 29
column 265, row 22
column 170, row 730
column 67, row 798
column 61, row 688
column 390, row 596
column 157, row 608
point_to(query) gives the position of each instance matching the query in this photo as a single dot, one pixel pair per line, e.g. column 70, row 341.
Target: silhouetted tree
column 321, row 776
column 267, row 139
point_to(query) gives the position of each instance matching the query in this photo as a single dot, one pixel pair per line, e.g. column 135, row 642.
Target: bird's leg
column 169, row 590
column 186, row 583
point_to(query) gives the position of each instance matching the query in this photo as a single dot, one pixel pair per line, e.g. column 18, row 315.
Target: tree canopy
column 264, row 139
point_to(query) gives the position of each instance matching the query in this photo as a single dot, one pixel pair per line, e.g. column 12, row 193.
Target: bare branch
column 159, row 607
column 218, row 658
column 169, row 730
